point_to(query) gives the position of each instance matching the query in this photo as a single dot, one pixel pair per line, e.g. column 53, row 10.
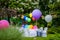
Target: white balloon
column 48, row 18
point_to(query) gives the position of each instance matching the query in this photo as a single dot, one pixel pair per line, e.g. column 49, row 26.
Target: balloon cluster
column 31, row 16
column 35, row 15
column 26, row 18
column 30, row 26
column 4, row 24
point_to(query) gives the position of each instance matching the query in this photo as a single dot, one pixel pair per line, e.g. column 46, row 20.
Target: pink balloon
column 35, row 27
column 0, row 25
column 4, row 24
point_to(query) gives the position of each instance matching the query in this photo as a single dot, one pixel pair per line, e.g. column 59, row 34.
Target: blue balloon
column 24, row 17
column 26, row 26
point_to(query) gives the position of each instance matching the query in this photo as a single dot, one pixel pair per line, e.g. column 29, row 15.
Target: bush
column 55, row 37
column 54, row 30
column 10, row 34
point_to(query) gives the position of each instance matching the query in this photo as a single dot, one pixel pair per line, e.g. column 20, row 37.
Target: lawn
column 49, row 37
column 13, row 34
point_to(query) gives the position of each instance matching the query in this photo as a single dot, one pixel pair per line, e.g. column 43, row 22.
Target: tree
column 51, row 7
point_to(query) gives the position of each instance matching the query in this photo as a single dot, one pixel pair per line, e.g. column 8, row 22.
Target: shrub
column 54, row 30
column 56, row 37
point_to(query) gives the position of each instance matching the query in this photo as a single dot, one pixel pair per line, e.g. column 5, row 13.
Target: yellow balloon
column 31, row 26
column 22, row 17
column 30, row 14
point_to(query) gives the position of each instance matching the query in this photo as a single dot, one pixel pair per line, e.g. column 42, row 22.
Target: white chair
column 26, row 33
column 46, row 28
column 44, row 33
column 32, row 33
column 41, row 28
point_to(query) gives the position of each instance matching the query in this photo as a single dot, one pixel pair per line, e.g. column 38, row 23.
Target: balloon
column 26, row 19
column 30, row 14
column 1, row 25
column 33, row 19
column 35, row 27
column 36, row 14
column 29, row 20
column 48, row 18
column 26, row 26
column 22, row 17
column 31, row 27
column 4, row 24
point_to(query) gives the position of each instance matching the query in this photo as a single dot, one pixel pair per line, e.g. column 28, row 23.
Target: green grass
column 49, row 37
column 10, row 34
column 13, row 34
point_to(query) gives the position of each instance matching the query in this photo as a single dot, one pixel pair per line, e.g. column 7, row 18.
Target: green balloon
column 29, row 20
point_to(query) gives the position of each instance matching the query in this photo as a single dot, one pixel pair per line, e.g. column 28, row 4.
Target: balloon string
column 47, row 24
column 36, row 22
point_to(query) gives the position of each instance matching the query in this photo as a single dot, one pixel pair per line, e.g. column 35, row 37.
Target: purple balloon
column 36, row 14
